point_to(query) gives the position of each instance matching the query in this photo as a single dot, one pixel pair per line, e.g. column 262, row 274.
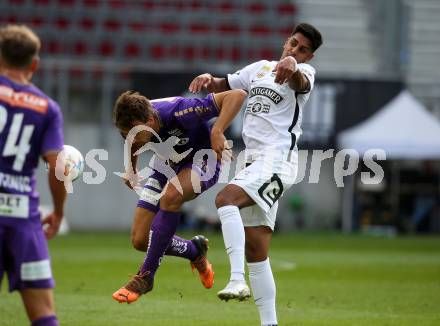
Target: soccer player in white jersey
column 247, row 206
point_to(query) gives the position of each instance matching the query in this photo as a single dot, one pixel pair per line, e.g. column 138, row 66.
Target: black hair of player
column 131, row 107
column 311, row 33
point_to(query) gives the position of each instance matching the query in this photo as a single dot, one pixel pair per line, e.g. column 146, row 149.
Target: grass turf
column 322, row 279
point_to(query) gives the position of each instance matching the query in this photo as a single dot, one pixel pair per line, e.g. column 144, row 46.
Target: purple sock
column 162, row 230
column 46, row 321
column 180, row 247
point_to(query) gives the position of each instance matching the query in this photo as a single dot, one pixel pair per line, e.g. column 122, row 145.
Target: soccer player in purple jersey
column 182, row 126
column 30, row 127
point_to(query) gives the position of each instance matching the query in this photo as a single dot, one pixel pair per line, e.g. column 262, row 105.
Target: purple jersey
column 187, row 119
column 30, row 126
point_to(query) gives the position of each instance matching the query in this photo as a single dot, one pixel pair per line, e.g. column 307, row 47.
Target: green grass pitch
column 322, row 279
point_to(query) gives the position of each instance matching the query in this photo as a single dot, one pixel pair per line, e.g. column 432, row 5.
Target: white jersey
column 273, row 112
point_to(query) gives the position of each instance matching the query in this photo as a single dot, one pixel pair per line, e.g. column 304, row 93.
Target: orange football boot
column 138, row 285
column 201, row 263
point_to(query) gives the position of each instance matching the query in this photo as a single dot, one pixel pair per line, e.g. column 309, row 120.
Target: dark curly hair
column 311, row 32
column 129, row 107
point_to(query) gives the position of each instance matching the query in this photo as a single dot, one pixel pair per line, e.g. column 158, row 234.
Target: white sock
column 233, row 236
column 264, row 291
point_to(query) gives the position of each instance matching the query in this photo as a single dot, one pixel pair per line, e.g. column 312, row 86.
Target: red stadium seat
column 169, row 27
column 53, row 47
column 137, row 27
column 148, row 5
column 285, row 31
column 196, row 5
column 91, row 3
column 112, row 25
column 37, row 22
column 199, row 28
column 229, row 29
column 260, row 30
column 11, row 19
column 106, row 49
column 226, row 6
column 42, row 2
column 62, row 23
column 267, row 53
column 76, row 72
column 256, row 8
column 157, row 51
column 220, row 53
column 67, row 3
column 189, row 53
column 117, row 4
column 174, row 51
column 206, row 52
column 286, row 9
column 87, row 23
column 236, row 54
column 132, row 50
column 80, row 48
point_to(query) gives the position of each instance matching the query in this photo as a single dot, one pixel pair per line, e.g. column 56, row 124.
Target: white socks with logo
column 263, row 290
column 233, row 236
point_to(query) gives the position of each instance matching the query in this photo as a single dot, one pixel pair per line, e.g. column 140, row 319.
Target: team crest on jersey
column 266, row 92
column 258, row 105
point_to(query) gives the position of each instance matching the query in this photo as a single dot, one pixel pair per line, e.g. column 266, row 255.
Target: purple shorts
column 208, row 172
column 24, row 256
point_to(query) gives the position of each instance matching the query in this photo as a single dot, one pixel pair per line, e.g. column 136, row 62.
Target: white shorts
column 265, row 181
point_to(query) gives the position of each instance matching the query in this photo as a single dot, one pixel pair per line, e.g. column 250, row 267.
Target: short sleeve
column 53, row 137
column 241, row 79
column 192, row 110
column 309, row 72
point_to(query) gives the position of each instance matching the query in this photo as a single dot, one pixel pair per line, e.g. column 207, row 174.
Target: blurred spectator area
column 168, row 33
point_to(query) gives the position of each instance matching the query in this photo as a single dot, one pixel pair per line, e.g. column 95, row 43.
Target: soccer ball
column 74, row 162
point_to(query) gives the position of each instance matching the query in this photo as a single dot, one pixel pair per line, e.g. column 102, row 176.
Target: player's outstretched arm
column 209, row 83
column 229, row 103
column 59, row 194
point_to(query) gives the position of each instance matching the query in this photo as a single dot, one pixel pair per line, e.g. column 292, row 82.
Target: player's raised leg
column 162, row 231
column 179, row 247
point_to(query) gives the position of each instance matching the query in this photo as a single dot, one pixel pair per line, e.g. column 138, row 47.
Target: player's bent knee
column 139, row 243
column 172, row 200
column 227, row 197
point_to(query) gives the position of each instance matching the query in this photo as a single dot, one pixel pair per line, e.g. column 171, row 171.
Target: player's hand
column 285, row 69
column 51, row 224
column 131, row 180
column 220, row 145
column 204, row 81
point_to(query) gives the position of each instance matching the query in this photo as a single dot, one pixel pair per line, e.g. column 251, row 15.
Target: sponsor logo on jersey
column 175, row 132
column 19, row 183
column 267, row 92
column 12, row 205
column 23, row 99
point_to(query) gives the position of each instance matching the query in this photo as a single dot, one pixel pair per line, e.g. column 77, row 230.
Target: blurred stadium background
column 373, row 50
